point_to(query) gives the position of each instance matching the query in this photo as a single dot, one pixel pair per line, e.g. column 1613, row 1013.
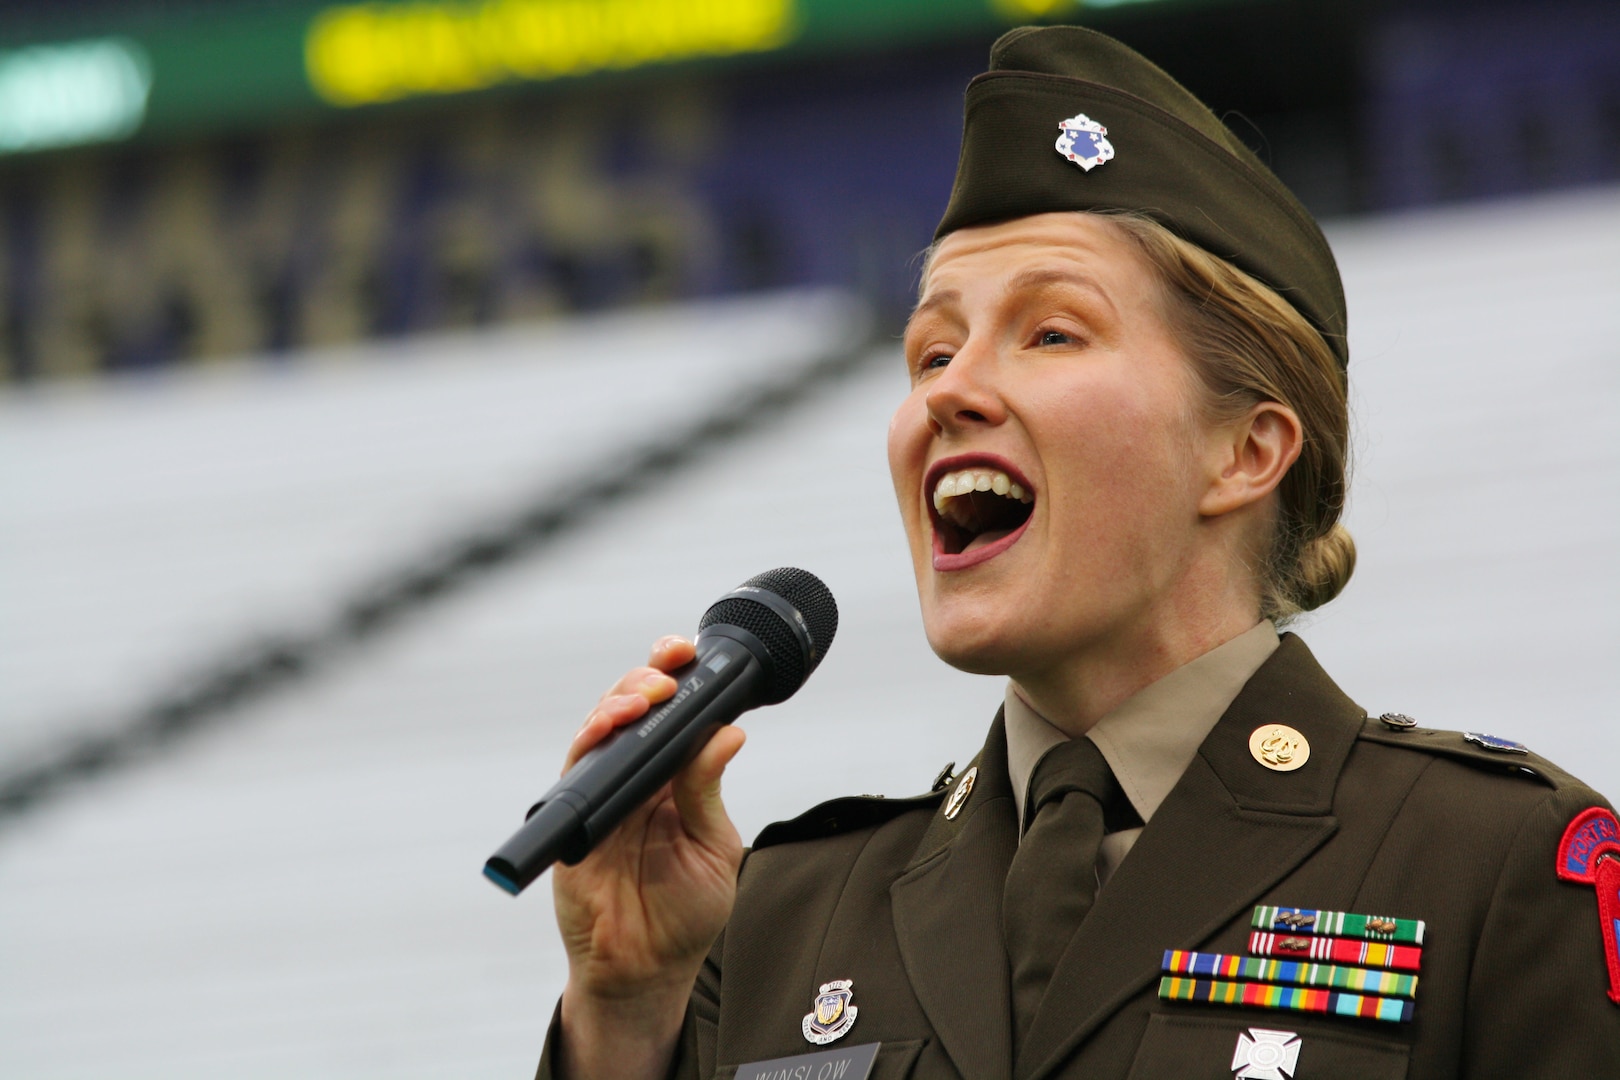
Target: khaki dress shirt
column 1150, row 739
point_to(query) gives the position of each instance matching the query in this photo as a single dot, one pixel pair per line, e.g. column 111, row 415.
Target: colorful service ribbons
column 1286, row 920
column 1329, row 962
column 1336, row 950
column 1295, row 998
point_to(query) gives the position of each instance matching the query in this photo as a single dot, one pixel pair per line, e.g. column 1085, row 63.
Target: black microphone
column 755, row 646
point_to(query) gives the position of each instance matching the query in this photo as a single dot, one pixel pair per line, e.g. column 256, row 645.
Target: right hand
column 641, row 911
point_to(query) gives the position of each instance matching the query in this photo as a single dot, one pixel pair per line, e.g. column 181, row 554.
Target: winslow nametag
column 845, row 1063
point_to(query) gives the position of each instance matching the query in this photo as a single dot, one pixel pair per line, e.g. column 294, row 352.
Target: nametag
column 847, row 1063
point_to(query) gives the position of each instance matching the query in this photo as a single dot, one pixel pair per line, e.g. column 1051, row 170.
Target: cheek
column 1128, row 463
column 908, row 444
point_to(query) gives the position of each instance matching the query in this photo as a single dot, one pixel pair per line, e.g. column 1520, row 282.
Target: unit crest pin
column 1084, row 141
column 1493, row 742
column 832, row 1014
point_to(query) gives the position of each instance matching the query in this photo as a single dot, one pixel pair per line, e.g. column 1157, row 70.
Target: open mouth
column 978, row 510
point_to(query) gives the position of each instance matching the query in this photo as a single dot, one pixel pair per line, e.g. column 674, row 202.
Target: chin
column 975, row 645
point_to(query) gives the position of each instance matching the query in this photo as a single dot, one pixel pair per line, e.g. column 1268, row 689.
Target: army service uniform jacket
column 904, row 902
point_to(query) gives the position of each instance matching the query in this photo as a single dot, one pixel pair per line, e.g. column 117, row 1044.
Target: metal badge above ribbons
column 833, row 1013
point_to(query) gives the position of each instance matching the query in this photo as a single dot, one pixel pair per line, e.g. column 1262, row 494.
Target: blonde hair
column 1247, row 345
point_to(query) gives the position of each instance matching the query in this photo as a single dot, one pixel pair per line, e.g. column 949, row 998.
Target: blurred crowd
column 454, row 216
column 527, row 202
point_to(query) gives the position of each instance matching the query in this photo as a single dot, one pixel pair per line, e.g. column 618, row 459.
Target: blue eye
column 1055, row 337
column 938, row 360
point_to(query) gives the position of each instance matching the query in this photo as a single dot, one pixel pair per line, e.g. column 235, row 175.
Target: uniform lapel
column 1229, row 831
column 947, row 918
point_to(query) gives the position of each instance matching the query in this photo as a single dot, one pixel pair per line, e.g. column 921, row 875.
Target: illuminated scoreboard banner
column 213, row 69
column 368, row 53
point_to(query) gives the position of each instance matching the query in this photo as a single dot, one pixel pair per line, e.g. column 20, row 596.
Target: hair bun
column 1325, row 566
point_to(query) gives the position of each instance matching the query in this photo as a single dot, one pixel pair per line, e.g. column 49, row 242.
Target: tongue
column 986, row 538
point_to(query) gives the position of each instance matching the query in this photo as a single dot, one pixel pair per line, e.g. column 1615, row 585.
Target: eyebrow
column 1040, row 276
column 1034, row 278
column 943, row 298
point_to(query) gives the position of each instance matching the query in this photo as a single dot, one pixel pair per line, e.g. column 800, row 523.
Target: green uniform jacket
column 906, row 903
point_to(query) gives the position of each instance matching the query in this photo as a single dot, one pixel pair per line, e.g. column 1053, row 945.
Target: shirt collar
column 1150, row 738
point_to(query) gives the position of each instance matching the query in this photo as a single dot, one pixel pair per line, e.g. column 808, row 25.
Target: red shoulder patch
column 1589, row 854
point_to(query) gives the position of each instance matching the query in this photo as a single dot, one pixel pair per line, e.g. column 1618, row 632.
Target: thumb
column 697, row 789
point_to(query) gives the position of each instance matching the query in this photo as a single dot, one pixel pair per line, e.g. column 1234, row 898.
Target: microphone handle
column 620, row 773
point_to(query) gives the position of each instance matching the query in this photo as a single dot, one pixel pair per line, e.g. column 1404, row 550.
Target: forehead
column 993, row 254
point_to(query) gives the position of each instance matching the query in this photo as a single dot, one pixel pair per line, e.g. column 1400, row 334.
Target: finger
column 697, row 788
column 669, row 653
column 611, row 713
column 649, row 682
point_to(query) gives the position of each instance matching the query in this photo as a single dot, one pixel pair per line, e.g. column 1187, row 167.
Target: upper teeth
column 963, row 481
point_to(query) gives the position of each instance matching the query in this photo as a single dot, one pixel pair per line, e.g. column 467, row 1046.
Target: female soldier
column 1122, row 459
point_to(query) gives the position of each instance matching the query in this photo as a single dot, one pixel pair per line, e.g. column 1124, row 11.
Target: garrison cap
column 1157, row 150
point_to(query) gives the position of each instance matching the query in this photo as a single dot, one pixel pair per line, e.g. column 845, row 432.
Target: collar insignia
column 964, row 788
column 1084, row 141
column 1279, row 747
column 832, row 1015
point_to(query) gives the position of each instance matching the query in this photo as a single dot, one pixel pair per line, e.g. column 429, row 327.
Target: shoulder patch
column 1589, row 854
column 1483, row 752
column 843, row 815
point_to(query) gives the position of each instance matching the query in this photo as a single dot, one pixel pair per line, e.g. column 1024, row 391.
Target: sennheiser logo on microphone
column 649, row 725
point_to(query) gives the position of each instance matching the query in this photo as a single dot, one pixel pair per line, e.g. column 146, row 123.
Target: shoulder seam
column 1528, row 764
column 831, row 826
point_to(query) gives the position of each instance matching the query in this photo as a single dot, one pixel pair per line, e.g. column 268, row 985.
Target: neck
column 1085, row 685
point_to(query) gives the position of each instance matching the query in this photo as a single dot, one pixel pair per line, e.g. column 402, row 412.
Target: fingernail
column 653, row 680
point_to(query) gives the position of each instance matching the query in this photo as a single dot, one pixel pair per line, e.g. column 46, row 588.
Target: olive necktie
column 1052, row 882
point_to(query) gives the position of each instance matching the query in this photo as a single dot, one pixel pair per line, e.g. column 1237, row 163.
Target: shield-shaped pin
column 833, row 1013
column 1084, row 141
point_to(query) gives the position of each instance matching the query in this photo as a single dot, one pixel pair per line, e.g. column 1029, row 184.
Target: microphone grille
column 810, row 598
column 806, row 594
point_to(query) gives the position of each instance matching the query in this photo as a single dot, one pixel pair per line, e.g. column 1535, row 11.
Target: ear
column 1248, row 459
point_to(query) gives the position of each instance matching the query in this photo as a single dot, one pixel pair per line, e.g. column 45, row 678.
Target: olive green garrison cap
column 1070, row 119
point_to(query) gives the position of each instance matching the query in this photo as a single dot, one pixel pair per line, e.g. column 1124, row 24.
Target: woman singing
column 1182, row 851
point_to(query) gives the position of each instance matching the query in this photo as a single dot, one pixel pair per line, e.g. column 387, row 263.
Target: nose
column 965, row 394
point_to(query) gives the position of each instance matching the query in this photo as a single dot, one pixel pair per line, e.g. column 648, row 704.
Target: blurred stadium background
column 377, row 380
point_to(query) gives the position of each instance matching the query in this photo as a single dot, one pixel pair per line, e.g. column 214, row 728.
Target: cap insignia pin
column 964, row 788
column 1263, row 1054
column 1084, row 141
column 832, row 1014
column 1279, row 747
